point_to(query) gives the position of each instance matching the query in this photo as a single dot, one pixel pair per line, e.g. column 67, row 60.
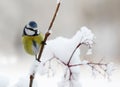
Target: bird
column 32, row 39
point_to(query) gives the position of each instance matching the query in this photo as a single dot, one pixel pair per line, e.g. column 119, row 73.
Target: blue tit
column 32, row 38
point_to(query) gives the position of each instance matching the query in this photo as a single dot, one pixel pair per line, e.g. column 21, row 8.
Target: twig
column 73, row 53
column 89, row 63
column 48, row 33
column 92, row 65
column 31, row 80
column 45, row 39
column 61, row 61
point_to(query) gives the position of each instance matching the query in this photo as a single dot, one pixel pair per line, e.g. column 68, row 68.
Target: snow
column 41, row 69
column 44, row 81
column 110, row 68
column 23, row 81
column 62, row 47
column 4, row 81
column 68, row 83
column 89, row 52
column 84, row 62
column 34, row 67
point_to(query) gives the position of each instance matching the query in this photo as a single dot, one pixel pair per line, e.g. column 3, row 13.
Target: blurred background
column 101, row 16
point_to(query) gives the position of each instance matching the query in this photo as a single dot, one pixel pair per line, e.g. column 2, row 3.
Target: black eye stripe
column 30, row 28
column 36, row 31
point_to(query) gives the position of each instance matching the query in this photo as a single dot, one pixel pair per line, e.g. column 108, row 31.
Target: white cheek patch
column 38, row 32
column 29, row 32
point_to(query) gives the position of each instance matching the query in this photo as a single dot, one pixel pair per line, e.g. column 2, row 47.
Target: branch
column 73, row 53
column 103, row 69
column 90, row 63
column 48, row 32
column 31, row 80
column 45, row 39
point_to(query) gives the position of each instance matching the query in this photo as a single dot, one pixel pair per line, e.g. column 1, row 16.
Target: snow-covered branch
column 67, row 53
column 45, row 39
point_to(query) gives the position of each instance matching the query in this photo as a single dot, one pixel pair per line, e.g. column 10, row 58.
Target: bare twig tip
column 59, row 1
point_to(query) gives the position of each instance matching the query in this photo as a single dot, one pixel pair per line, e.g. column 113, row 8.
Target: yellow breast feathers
column 32, row 43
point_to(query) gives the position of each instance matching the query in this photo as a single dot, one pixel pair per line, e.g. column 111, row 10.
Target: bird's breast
column 28, row 43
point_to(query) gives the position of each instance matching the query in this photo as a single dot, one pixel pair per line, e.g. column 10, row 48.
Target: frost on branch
column 100, row 68
column 87, row 36
column 67, row 53
column 34, row 67
column 89, row 52
column 62, row 48
column 110, row 67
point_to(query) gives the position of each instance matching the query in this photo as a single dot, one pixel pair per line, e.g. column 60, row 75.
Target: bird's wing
column 35, row 47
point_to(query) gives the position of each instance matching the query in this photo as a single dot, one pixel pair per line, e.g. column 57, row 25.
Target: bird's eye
column 33, row 24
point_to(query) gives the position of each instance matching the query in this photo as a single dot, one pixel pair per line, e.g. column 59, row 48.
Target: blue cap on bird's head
column 33, row 24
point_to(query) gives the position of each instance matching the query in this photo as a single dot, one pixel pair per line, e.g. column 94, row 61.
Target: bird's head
column 31, row 29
